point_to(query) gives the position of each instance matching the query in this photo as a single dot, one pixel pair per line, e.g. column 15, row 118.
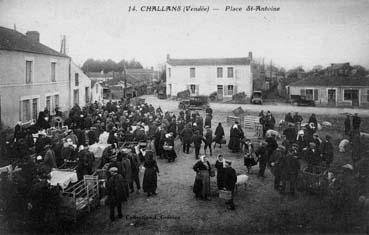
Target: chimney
column 33, row 35
column 63, row 45
column 250, row 55
column 168, row 57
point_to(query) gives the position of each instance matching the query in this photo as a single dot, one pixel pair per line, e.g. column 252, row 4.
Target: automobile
column 299, row 100
column 194, row 102
column 257, row 97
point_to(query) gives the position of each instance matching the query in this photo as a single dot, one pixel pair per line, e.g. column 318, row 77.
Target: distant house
column 96, row 91
column 100, row 76
column 226, row 76
column 335, row 86
column 32, row 77
column 80, row 86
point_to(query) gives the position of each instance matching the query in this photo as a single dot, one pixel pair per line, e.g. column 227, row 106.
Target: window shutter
column 197, row 90
column 316, row 95
column 225, row 90
column 234, row 89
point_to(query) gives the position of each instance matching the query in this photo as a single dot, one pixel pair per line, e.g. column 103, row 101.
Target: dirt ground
column 259, row 209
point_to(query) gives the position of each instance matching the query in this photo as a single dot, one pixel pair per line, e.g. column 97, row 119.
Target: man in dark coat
column 290, row 170
column 288, row 118
column 356, row 122
column 208, row 119
column 187, row 134
column 290, row 133
column 219, row 134
column 135, row 164
column 115, row 192
column 262, row 154
column 235, row 139
column 276, row 165
column 208, row 140
column 312, row 156
column 197, row 140
column 49, row 160
column 271, row 146
column 327, row 151
column 230, row 179
column 85, row 162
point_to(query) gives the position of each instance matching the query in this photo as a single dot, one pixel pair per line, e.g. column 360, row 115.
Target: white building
column 226, row 76
column 32, row 77
column 96, row 91
column 80, row 86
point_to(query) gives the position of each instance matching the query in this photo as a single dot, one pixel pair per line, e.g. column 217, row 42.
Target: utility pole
column 125, row 80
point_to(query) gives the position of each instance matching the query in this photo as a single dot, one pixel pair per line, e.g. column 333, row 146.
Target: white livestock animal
column 343, row 145
column 326, row 124
column 103, row 138
column 270, row 133
column 241, row 180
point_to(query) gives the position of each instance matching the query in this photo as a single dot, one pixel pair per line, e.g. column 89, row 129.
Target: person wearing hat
column 186, row 134
column 201, row 186
column 150, row 179
column 208, row 119
column 262, row 155
column 327, row 151
column 219, row 135
column 317, row 141
column 230, row 179
column 208, row 140
column 49, row 159
column 115, row 192
column 168, row 147
column 356, row 120
column 276, row 165
column 312, row 156
column 249, row 157
column 220, row 166
column 197, row 141
column 347, row 124
column 235, row 139
column 85, row 162
column 313, row 120
column 290, row 133
column 290, row 169
column 301, row 140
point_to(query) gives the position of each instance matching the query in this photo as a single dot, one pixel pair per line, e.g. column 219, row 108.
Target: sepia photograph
column 184, row 117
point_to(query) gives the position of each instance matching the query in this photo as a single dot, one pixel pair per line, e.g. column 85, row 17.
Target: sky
column 307, row 33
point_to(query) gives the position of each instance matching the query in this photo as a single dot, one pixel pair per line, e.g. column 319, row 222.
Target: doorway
column 332, row 97
column 220, row 92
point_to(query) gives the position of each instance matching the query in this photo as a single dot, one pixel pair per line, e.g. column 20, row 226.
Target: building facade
column 225, row 76
column 337, row 85
column 32, row 77
column 80, row 87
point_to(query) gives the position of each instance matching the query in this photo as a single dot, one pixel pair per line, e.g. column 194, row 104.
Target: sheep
column 241, row 180
column 326, row 124
column 270, row 133
column 343, row 145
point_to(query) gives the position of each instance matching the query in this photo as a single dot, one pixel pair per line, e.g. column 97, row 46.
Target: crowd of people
column 138, row 134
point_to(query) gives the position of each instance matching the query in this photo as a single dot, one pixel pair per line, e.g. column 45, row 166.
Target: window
column 29, row 71
column 53, row 66
column 193, row 88
column 230, row 89
column 192, row 72
column 230, row 72
column 48, row 103
column 350, row 94
column 26, row 110
column 56, row 100
column 87, row 94
column 219, row 72
column 34, row 108
column 76, row 96
column 76, row 79
column 169, row 72
column 309, row 94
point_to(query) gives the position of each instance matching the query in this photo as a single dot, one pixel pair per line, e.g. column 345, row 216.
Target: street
column 172, row 105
